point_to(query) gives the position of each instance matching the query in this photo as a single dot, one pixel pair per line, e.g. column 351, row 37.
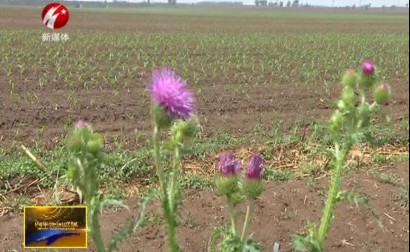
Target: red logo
column 55, row 15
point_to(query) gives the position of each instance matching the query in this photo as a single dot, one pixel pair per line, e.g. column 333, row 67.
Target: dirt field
column 287, row 103
column 282, row 210
column 43, row 114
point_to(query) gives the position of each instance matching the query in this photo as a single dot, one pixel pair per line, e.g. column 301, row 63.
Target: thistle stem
column 332, row 195
column 170, row 221
column 249, row 211
column 168, row 213
column 232, row 214
column 95, row 228
column 175, row 171
column 157, row 158
column 171, row 215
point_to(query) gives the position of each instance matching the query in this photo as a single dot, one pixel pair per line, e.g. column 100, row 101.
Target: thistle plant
column 87, row 156
column 348, row 125
column 173, row 108
column 235, row 189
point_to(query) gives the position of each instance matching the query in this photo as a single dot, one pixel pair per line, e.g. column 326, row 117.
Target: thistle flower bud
column 253, row 186
column 228, row 165
column 73, row 144
column 368, row 67
column 229, row 168
column 94, row 144
column 255, row 167
column 349, row 78
column 80, row 123
column 382, row 93
column 160, row 116
column 183, row 130
column 84, row 139
column 75, row 141
column 368, row 77
column 226, row 185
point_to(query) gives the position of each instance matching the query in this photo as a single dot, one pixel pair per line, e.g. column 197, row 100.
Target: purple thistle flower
column 228, row 165
column 385, row 87
column 171, row 92
column 80, row 123
column 254, row 170
column 368, row 67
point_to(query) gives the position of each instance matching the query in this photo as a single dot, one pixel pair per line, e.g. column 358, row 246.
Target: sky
column 374, row 3
column 337, row 3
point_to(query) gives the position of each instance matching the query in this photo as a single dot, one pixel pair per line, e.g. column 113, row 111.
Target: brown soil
column 119, row 119
column 281, row 211
column 266, row 105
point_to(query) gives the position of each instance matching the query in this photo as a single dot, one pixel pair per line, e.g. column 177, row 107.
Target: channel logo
column 55, row 16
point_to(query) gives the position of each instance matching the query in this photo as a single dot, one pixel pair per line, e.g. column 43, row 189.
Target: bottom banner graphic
column 55, row 227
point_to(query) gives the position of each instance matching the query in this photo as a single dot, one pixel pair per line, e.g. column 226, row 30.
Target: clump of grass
column 16, row 204
column 402, row 196
column 379, row 158
column 388, row 178
column 195, row 181
column 277, row 175
column 311, row 169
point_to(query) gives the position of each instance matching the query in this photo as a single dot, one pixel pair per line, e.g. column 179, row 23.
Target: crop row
column 117, row 60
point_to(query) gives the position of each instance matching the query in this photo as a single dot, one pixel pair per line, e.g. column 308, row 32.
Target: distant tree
column 354, row 6
column 280, row 4
column 407, row 5
column 295, row 4
column 306, row 5
column 261, row 2
column 289, row 4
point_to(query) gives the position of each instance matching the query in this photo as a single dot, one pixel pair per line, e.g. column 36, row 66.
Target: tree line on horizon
column 119, row 3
